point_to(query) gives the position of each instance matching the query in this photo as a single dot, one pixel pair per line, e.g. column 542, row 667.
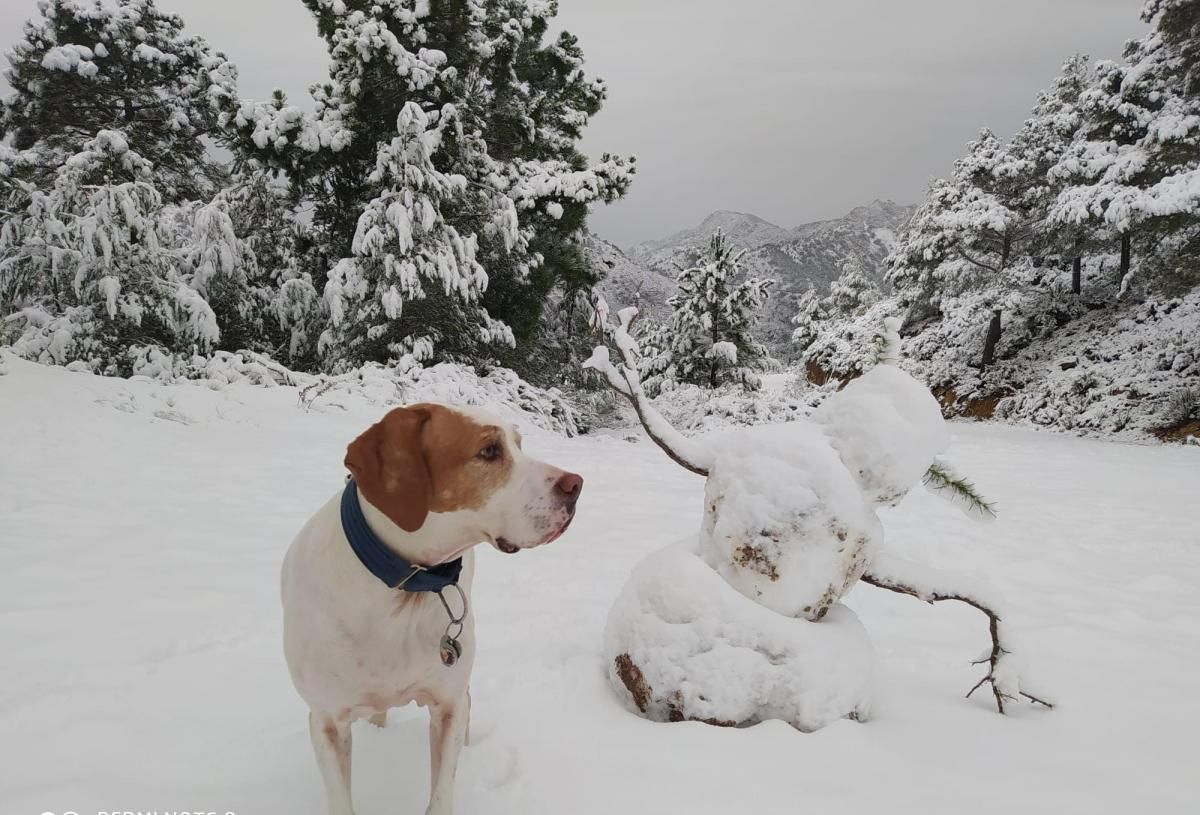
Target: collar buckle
column 416, row 569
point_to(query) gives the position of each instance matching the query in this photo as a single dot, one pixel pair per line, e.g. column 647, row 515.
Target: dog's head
column 460, row 473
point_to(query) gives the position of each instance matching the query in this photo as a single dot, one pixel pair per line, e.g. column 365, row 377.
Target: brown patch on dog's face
column 468, row 461
column 389, row 466
column 428, row 458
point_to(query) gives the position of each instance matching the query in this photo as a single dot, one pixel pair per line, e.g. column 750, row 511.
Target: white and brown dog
column 429, row 482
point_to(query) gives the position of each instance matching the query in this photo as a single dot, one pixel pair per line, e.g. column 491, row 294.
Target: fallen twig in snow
column 282, row 374
column 309, row 394
column 898, row 575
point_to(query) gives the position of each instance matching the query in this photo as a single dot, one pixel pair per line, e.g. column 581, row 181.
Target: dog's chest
column 396, row 657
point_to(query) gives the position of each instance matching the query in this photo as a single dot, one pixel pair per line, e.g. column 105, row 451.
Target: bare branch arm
column 931, row 585
column 624, row 379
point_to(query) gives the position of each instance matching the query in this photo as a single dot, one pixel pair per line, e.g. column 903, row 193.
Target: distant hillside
column 627, row 282
column 806, row 256
column 750, row 230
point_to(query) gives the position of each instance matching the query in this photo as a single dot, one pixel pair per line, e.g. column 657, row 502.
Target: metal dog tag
column 450, row 650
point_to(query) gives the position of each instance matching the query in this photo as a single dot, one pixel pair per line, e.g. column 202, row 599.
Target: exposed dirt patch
column 1177, row 432
column 946, row 397
column 815, row 373
column 819, row 376
column 982, row 408
column 634, row 681
column 674, row 714
column 750, row 556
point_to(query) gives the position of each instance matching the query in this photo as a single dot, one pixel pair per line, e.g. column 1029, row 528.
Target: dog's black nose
column 569, row 485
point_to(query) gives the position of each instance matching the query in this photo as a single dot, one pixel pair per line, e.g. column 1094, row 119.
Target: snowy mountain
column 750, row 231
column 628, row 282
column 808, row 255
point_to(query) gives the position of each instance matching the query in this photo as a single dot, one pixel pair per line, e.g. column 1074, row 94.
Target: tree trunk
column 1076, row 275
column 1125, row 257
column 713, row 366
column 127, row 102
column 993, row 337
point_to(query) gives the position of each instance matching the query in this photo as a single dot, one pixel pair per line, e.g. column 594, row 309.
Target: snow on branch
column 932, row 585
column 623, row 378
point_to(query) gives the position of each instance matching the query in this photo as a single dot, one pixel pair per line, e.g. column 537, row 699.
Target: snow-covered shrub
column 844, row 348
column 853, row 290
column 695, row 409
column 1182, row 405
column 85, row 271
column 408, row 381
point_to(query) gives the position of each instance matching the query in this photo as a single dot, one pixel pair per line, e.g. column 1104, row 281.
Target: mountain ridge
column 806, row 256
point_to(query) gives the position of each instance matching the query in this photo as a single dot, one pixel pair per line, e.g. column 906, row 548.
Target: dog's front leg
column 447, row 732
column 331, row 742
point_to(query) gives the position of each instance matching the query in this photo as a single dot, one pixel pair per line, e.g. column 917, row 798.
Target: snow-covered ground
column 142, row 527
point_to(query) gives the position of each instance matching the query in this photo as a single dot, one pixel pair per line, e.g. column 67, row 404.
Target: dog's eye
column 491, row 452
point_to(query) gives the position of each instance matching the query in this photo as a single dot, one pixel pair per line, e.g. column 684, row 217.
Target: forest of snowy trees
column 430, row 206
column 1053, row 276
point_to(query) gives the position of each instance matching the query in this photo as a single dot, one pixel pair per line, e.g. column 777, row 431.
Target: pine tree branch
column 943, row 481
column 994, row 269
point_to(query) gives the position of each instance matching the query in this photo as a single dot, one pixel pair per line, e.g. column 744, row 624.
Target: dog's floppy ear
column 388, row 464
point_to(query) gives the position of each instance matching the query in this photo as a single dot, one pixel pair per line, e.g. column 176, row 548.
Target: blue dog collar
column 385, row 564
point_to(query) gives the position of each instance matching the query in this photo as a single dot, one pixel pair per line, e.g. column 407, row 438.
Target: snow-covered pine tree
column 853, row 290
column 286, row 311
column 219, row 265
column 1105, row 174
column 1178, row 23
column 414, row 281
column 126, row 66
column 1037, row 147
column 443, row 145
column 810, row 314
column 84, row 275
column 708, row 338
column 964, row 237
column 1133, row 168
column 1173, row 199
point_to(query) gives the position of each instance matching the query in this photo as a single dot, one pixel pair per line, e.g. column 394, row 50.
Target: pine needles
column 943, row 481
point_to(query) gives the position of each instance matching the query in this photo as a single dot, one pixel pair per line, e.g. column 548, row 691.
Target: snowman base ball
column 683, row 645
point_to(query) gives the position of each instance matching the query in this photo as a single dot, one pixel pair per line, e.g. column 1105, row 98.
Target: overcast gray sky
column 795, row 110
